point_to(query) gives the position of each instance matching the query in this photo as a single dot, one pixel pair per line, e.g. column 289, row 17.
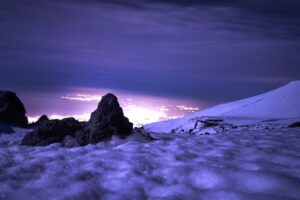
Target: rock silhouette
column 39, row 121
column 42, row 119
column 12, row 110
column 294, row 125
column 107, row 120
column 51, row 131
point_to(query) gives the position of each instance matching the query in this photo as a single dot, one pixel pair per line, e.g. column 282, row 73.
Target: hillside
column 277, row 105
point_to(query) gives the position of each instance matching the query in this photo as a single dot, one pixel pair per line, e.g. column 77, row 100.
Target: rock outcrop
column 294, row 125
column 42, row 118
column 12, row 110
column 107, row 120
column 51, row 131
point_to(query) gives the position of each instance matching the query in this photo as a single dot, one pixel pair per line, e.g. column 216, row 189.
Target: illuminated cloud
column 82, row 97
column 144, row 115
column 82, row 117
column 187, row 108
column 139, row 109
column 138, row 114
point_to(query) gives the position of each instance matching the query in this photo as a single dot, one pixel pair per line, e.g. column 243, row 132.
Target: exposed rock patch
column 51, row 131
column 294, row 125
column 142, row 134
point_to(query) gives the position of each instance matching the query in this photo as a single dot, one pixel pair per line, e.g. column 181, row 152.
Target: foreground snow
column 236, row 165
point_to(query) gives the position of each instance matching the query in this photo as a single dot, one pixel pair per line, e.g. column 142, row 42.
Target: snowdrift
column 279, row 105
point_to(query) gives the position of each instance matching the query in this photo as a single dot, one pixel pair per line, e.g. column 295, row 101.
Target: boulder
column 107, row 120
column 51, row 131
column 12, row 110
column 294, row 125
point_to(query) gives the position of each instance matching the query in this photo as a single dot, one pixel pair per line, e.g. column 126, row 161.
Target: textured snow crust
column 250, row 165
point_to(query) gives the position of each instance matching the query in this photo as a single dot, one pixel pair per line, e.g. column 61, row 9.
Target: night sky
column 196, row 52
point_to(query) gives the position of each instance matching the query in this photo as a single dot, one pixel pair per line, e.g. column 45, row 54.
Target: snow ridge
column 281, row 103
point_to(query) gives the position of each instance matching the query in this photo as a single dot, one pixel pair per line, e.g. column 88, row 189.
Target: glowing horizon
column 138, row 108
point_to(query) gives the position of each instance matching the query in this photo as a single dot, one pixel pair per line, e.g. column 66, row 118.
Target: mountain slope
column 280, row 103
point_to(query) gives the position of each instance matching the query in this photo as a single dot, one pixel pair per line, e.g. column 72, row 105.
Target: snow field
column 237, row 165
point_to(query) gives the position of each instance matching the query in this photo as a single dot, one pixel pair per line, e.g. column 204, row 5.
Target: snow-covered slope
column 281, row 103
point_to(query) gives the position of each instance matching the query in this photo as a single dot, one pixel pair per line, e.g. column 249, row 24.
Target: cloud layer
column 195, row 49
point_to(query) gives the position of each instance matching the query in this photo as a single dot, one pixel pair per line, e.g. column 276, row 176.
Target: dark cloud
column 277, row 18
column 215, row 50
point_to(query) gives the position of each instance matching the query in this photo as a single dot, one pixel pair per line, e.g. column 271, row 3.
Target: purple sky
column 199, row 50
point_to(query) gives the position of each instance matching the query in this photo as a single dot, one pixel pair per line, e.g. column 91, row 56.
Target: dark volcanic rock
column 39, row 121
column 12, row 109
column 42, row 119
column 294, row 125
column 51, row 131
column 107, row 120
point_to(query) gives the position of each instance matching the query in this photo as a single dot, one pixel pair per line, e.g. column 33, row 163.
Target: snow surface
column 280, row 104
column 11, row 135
column 236, row 165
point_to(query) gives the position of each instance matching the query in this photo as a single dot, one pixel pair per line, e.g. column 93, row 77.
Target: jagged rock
column 39, row 121
column 107, row 120
column 51, row 131
column 42, row 119
column 294, row 125
column 12, row 109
